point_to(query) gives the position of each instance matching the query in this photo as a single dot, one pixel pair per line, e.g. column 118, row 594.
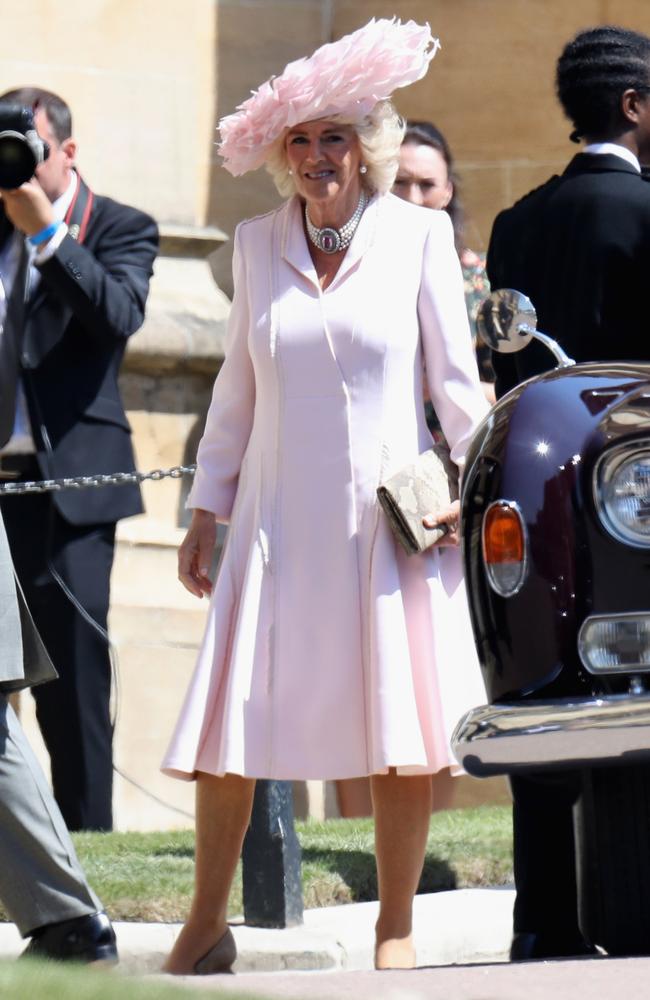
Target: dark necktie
column 10, row 348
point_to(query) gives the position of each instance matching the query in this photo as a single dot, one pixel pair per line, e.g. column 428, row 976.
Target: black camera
column 21, row 147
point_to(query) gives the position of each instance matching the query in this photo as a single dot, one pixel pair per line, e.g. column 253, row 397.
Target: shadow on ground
column 357, row 870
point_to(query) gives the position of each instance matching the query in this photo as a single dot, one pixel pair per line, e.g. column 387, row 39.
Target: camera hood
column 21, row 147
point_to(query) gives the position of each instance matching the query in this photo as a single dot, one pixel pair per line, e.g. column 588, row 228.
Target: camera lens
column 17, row 162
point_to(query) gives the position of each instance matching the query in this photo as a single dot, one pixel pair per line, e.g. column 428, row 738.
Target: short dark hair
column 423, row 133
column 594, row 71
column 57, row 111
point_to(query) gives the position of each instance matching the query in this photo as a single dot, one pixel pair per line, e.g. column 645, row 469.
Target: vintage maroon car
column 556, row 537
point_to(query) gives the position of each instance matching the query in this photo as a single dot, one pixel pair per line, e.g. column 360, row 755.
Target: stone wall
column 148, row 80
column 490, row 88
column 140, row 76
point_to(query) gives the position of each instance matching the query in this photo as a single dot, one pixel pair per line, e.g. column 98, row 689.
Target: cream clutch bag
column 423, row 487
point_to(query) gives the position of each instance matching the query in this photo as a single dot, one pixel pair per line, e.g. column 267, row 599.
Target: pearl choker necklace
column 331, row 240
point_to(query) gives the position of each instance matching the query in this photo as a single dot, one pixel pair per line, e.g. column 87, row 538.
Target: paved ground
column 586, row 979
column 466, row 925
column 461, row 938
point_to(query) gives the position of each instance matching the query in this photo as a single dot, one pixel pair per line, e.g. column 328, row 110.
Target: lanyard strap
column 77, row 216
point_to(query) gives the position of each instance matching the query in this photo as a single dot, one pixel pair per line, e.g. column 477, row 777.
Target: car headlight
column 622, row 493
column 615, row 643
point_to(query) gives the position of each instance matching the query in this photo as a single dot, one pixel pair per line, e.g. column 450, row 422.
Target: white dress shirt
column 616, row 150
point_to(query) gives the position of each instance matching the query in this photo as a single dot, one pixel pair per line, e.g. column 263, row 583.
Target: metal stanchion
column 271, row 860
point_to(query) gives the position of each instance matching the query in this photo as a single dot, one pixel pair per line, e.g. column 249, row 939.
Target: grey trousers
column 41, row 880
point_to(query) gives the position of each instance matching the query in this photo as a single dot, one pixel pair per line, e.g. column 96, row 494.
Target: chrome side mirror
column 506, row 321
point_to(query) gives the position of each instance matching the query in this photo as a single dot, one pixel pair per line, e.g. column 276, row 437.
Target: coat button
column 72, row 267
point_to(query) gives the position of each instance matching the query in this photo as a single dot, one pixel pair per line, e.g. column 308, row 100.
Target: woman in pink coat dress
column 328, row 653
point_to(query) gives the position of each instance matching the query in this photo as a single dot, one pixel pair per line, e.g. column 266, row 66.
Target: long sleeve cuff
column 49, row 249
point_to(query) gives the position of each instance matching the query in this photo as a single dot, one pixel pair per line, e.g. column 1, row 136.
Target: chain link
column 101, row 479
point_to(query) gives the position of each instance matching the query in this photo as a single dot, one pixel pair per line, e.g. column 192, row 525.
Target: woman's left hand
column 449, row 516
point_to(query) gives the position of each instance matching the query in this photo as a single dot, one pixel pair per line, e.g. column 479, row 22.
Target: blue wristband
column 44, row 234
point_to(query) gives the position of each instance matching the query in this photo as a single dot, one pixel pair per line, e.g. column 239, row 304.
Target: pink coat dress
column 328, row 653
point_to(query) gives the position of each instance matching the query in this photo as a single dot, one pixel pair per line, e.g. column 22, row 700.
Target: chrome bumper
column 537, row 735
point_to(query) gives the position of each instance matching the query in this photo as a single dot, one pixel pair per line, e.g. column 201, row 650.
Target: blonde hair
column 380, row 136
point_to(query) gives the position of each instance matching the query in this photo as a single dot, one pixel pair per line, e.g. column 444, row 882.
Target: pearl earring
column 291, row 173
column 363, row 169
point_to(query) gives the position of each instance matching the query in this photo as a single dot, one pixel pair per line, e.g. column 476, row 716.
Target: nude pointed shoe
column 220, row 958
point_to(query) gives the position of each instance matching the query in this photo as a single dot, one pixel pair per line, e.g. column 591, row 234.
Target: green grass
column 50, row 981
column 148, row 876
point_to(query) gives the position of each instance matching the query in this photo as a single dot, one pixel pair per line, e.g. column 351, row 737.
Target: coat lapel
column 295, row 251
column 46, row 317
column 361, row 241
column 45, row 323
column 293, row 246
column 11, row 347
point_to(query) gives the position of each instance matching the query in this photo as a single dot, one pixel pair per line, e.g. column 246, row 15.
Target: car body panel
column 539, row 447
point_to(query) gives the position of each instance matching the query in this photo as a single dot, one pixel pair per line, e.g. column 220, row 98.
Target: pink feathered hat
column 344, row 77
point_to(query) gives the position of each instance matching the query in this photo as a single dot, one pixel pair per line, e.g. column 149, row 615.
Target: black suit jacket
column 579, row 247
column 90, row 299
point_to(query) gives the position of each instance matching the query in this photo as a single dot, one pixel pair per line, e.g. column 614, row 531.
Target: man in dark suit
column 76, row 268
column 579, row 247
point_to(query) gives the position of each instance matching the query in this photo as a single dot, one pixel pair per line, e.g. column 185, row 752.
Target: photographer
column 75, row 268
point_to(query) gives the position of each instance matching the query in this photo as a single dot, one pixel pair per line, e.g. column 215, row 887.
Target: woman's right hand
column 196, row 551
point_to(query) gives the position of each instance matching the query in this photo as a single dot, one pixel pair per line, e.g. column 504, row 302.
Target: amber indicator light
column 503, row 536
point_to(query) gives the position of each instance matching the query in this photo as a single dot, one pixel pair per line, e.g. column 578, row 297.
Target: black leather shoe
column 527, row 946
column 82, row 939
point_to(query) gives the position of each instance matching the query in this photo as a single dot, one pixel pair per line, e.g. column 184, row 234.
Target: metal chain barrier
column 101, row 479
